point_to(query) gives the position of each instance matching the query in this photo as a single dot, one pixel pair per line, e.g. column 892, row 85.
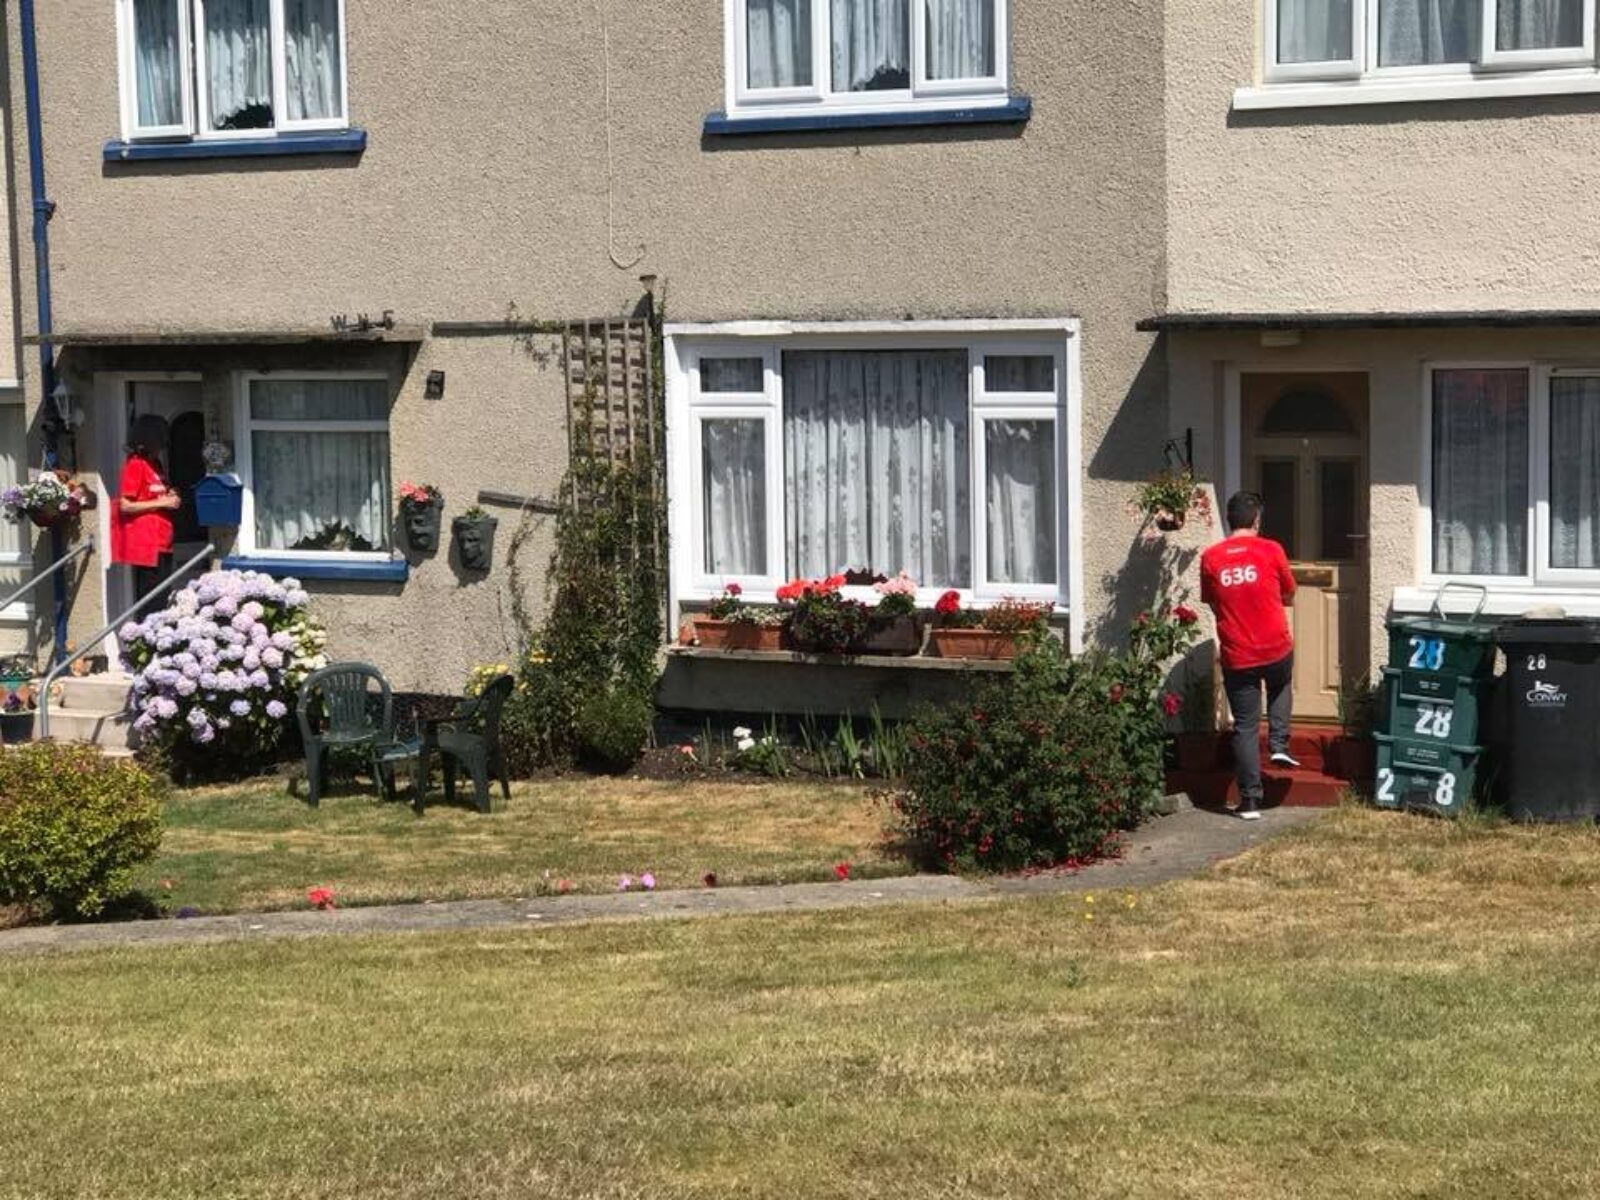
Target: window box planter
column 712, row 634
column 475, row 541
column 16, row 728
column 902, row 635
column 973, row 643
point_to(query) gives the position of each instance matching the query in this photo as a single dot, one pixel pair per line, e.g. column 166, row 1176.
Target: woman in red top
column 141, row 521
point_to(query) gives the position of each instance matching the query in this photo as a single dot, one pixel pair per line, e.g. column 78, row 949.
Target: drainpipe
column 43, row 210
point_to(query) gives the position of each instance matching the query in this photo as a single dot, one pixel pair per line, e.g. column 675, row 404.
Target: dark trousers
column 147, row 579
column 1244, row 699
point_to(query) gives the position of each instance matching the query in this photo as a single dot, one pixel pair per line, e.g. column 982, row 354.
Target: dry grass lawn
column 1378, row 1006
column 256, row 848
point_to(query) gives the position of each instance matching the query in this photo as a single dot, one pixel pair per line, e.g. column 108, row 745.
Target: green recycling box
column 1435, row 647
column 1444, row 787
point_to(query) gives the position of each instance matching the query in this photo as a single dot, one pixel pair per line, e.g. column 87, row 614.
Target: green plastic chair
column 470, row 738
column 338, row 709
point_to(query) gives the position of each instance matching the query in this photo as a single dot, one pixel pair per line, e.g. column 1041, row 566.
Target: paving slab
column 1167, row 848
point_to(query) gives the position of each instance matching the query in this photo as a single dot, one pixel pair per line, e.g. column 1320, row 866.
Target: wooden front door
column 1305, row 440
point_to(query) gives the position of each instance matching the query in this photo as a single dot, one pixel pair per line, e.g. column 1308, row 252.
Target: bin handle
column 1438, row 597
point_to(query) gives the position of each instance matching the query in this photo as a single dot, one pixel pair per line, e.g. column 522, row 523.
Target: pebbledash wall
column 490, row 170
column 1459, row 205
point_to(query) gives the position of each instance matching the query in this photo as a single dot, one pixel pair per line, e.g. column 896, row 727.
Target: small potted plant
column 421, row 506
column 16, row 715
column 730, row 624
column 823, row 620
column 892, row 627
column 1167, row 498
column 474, row 535
column 53, row 498
column 995, row 634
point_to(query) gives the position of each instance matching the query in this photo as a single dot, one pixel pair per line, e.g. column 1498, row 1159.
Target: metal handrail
column 154, row 594
column 78, row 552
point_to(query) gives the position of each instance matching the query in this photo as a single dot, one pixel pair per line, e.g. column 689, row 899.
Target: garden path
column 1167, row 848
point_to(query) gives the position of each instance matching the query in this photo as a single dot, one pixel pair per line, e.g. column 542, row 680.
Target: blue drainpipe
column 43, row 210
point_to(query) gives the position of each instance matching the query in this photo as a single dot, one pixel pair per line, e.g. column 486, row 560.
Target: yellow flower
column 1088, row 899
column 1088, row 916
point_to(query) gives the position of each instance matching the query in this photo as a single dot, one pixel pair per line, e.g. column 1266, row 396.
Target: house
column 1380, row 310
column 903, row 249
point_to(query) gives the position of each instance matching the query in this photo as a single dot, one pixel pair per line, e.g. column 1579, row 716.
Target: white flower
column 746, row 744
column 741, row 732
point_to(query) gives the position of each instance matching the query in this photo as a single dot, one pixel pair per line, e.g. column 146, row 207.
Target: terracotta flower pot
column 737, row 635
column 973, row 643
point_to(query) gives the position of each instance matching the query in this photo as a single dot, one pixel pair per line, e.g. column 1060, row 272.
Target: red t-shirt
column 140, row 540
column 1247, row 582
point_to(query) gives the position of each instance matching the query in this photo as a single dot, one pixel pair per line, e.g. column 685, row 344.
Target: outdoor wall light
column 435, row 386
column 66, row 413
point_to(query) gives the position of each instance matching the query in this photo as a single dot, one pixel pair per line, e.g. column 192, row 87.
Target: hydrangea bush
column 218, row 669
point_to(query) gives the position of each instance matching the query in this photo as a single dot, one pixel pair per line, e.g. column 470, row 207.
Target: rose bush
column 215, row 673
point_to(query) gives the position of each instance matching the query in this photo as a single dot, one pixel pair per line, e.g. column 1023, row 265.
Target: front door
column 1305, row 442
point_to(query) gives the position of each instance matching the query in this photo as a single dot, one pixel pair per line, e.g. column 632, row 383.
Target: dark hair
column 1244, row 508
column 148, row 438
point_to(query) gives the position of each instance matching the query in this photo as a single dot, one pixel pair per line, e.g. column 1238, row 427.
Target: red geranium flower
column 948, row 603
column 1185, row 614
column 1172, row 704
column 842, row 871
column 321, row 897
column 733, row 589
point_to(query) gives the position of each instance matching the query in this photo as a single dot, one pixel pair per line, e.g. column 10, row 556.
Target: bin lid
column 1464, row 628
column 1534, row 631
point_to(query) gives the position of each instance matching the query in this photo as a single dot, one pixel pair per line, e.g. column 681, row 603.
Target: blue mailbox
column 219, row 500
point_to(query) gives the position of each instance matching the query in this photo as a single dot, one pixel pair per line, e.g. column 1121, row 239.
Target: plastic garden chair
column 470, row 738
column 338, row 710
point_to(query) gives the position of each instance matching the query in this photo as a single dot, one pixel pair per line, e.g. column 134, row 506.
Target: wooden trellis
column 609, row 369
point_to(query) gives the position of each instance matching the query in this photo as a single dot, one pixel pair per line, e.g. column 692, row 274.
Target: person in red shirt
column 1246, row 580
column 141, row 520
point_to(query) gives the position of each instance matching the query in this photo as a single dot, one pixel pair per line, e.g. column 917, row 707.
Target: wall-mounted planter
column 475, row 541
column 219, row 501
column 737, row 635
column 901, row 635
column 421, row 524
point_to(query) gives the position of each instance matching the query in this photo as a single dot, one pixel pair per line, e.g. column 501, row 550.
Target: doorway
column 1305, row 452
column 178, row 400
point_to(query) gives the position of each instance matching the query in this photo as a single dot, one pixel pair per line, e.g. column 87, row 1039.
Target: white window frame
column 1362, row 80
column 244, row 426
column 1540, row 576
column 924, row 94
column 688, row 407
column 197, row 118
column 19, row 611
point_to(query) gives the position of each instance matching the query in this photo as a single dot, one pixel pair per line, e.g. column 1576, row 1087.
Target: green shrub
column 1045, row 767
column 73, row 825
column 613, row 727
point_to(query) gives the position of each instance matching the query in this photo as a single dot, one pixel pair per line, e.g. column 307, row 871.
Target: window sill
column 913, row 662
column 1335, row 94
column 1014, row 111
column 343, row 141
column 394, row 571
column 1507, row 600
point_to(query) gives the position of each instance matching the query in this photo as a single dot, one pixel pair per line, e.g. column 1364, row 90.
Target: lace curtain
column 158, row 65
column 876, row 463
column 239, row 64
column 778, row 37
column 1421, row 32
column 1538, row 24
column 1020, row 458
column 311, row 485
column 1311, row 31
column 312, row 66
column 734, row 455
column 960, row 39
column 1480, row 472
column 1575, row 473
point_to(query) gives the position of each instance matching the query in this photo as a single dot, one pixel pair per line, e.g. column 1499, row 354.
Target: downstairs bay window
column 313, row 452
column 1513, row 494
column 933, row 450
column 218, row 69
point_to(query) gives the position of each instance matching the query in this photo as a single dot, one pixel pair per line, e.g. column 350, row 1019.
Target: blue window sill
column 343, row 141
column 1013, row 112
column 395, row 571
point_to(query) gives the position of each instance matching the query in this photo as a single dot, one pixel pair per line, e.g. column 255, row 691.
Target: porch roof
column 1217, row 322
column 176, row 336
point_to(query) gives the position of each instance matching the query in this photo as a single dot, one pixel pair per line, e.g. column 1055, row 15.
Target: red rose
column 948, row 603
column 321, row 897
column 1185, row 614
column 842, row 871
column 1172, row 704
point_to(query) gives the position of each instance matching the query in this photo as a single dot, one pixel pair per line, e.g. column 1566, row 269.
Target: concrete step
column 110, row 731
column 94, row 693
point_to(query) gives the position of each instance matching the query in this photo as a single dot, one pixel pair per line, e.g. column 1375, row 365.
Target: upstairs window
column 1396, row 40
column 231, row 68
column 865, row 55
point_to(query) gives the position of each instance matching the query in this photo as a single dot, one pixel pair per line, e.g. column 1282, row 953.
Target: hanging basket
column 1168, row 521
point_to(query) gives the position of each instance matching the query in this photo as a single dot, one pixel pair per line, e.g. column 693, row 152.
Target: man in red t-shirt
column 1247, row 582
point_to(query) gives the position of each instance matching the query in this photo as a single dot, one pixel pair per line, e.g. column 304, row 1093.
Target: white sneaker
column 1284, row 759
column 1249, row 814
